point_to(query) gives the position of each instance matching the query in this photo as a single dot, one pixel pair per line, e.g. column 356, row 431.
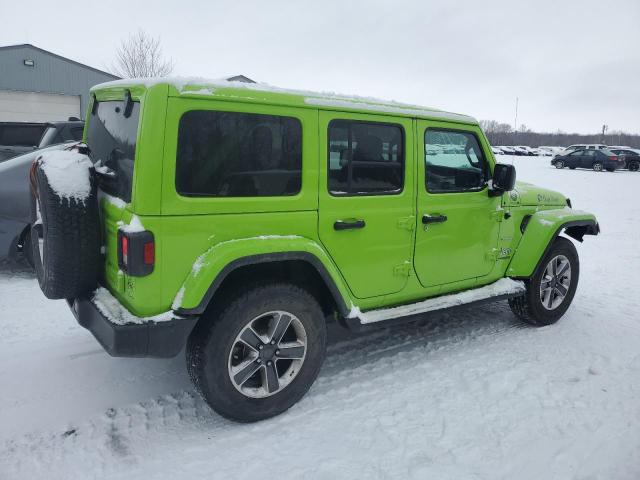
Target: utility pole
column 515, row 124
column 604, row 129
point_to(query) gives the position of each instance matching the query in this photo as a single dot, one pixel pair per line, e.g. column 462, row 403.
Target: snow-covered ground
column 473, row 395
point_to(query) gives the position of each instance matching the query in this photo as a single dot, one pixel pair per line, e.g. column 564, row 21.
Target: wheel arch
column 300, row 267
column 541, row 231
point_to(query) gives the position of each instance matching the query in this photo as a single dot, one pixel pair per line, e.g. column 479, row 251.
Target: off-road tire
column 528, row 307
column 70, row 232
column 209, row 347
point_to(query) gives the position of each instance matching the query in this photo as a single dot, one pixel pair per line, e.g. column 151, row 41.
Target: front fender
column 541, row 230
column 211, row 268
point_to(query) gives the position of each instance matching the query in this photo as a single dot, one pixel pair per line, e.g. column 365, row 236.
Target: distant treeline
column 503, row 134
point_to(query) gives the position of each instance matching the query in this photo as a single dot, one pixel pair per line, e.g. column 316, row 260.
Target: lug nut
column 261, row 347
column 269, row 364
column 273, row 342
column 258, row 360
column 277, row 352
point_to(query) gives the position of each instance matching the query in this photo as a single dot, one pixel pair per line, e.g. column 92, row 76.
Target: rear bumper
column 158, row 340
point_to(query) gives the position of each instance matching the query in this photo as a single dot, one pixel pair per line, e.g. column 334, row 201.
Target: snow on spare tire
column 65, row 232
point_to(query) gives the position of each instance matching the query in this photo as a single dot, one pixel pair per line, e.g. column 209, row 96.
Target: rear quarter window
column 231, row 154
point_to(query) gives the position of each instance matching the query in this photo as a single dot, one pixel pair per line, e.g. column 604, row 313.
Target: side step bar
column 502, row 289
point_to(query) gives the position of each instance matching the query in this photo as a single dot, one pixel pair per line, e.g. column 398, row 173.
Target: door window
column 454, row 162
column 365, row 158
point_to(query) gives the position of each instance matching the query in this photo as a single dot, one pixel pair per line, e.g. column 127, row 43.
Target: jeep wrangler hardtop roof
column 263, row 93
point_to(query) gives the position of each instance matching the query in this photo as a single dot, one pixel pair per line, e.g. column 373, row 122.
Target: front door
column 366, row 199
column 458, row 222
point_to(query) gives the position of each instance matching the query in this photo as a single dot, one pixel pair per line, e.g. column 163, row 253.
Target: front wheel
column 258, row 354
column 634, row 166
column 551, row 288
column 559, row 164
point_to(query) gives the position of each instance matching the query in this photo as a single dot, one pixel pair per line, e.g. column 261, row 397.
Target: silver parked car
column 15, row 203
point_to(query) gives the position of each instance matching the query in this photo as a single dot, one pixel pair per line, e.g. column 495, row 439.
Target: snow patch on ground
column 504, row 286
column 67, row 172
column 470, row 394
column 117, row 314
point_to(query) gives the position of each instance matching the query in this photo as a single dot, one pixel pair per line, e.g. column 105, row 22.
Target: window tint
column 227, row 154
column 454, row 162
column 112, row 137
column 21, row 135
column 590, row 153
column 577, row 153
column 365, row 158
column 76, row 133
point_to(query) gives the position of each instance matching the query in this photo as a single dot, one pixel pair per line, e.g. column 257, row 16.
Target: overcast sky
column 573, row 64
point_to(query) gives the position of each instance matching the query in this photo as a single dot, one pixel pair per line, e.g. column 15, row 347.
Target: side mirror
column 504, row 178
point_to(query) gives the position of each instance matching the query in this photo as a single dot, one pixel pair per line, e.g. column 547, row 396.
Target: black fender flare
column 269, row 258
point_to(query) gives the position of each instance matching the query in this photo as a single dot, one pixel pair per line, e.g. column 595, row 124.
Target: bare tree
column 140, row 55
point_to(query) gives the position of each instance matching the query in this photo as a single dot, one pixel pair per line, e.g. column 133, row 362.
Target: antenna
column 515, row 122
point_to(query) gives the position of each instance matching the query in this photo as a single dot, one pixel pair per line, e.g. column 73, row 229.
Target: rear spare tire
column 65, row 231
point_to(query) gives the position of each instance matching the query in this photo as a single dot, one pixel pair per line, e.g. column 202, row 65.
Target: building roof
column 28, row 45
column 263, row 93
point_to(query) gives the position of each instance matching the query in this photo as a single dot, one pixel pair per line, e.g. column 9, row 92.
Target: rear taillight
column 613, row 158
column 136, row 252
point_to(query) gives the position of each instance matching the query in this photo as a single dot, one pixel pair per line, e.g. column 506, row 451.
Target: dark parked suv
column 597, row 160
column 17, row 138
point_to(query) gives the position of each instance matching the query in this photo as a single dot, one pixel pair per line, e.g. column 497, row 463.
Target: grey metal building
column 40, row 86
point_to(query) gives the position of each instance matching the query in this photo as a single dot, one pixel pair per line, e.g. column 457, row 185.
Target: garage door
column 37, row 107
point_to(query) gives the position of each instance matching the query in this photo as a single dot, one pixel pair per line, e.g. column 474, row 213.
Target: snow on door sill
column 504, row 286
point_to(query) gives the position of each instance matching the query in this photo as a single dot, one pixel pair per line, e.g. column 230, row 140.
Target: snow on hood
column 67, row 172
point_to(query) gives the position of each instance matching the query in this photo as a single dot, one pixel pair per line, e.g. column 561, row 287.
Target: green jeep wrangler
column 237, row 219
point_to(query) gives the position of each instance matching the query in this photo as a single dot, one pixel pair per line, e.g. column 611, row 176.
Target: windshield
column 111, row 137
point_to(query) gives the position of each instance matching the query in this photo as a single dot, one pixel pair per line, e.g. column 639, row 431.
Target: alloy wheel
column 267, row 354
column 555, row 283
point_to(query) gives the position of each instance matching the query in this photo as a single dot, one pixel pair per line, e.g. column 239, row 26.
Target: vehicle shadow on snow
column 112, row 435
column 347, row 350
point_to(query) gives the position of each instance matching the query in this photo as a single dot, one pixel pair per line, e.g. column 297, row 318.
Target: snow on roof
column 203, row 86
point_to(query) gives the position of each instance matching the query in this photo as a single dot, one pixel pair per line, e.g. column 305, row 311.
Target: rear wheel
column 559, row 164
column 597, row 166
column 259, row 353
column 551, row 288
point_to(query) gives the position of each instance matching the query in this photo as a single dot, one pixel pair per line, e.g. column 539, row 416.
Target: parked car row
column 523, row 150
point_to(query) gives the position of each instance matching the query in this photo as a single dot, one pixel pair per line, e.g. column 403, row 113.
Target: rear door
column 588, row 158
column 574, row 159
column 458, row 221
column 366, row 199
